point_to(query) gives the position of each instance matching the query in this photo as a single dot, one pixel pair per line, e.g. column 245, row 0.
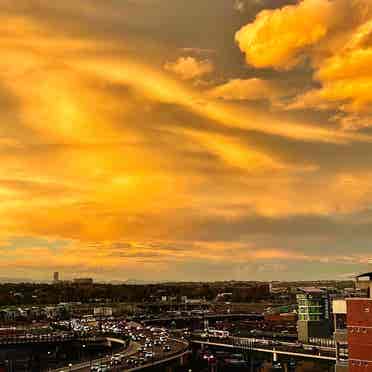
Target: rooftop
column 312, row 290
column 365, row 275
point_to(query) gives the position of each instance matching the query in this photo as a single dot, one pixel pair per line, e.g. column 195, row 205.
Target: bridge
column 55, row 337
column 252, row 316
column 186, row 320
column 268, row 346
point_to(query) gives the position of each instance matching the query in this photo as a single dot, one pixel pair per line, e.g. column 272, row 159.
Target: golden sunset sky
column 185, row 140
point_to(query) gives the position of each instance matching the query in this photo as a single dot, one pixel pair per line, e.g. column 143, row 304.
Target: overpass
column 53, row 338
column 279, row 348
column 218, row 316
column 86, row 366
column 56, row 337
column 202, row 317
column 177, row 356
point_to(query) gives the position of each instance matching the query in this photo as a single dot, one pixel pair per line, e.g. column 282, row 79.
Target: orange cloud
column 346, row 79
column 335, row 38
column 235, row 154
column 246, row 89
column 94, row 147
column 188, row 68
column 277, row 38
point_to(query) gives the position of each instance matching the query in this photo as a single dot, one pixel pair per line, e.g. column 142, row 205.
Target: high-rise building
column 56, row 277
column 314, row 319
column 353, row 328
column 359, row 326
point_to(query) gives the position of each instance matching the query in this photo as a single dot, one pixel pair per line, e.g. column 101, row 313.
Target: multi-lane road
column 151, row 347
column 86, row 366
column 270, row 346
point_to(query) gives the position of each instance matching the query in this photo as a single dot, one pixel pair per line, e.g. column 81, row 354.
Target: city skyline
column 185, row 140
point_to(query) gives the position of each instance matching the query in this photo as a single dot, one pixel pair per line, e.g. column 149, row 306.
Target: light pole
column 70, row 367
column 83, row 353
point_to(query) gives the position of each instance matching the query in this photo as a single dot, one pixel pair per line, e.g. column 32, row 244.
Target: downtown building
column 314, row 314
column 359, row 327
column 353, row 329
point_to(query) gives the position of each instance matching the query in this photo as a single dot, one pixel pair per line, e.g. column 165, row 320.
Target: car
column 132, row 361
column 149, row 354
column 115, row 361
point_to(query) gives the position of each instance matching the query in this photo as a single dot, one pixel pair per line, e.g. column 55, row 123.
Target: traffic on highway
column 146, row 345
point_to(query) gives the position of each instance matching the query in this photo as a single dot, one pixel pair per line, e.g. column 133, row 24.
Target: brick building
column 359, row 325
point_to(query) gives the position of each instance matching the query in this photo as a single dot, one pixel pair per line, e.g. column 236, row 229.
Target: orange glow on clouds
column 102, row 147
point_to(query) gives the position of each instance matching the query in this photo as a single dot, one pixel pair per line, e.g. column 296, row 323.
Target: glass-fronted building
column 314, row 318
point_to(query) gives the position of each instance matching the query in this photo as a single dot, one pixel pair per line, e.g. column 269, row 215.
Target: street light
column 70, row 367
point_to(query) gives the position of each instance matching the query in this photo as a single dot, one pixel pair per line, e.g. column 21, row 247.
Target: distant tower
column 56, row 277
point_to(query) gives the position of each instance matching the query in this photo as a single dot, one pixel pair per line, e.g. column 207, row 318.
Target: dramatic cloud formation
column 115, row 165
column 346, row 79
column 336, row 38
column 277, row 38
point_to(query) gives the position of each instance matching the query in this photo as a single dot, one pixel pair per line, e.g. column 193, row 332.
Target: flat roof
column 365, row 275
column 314, row 290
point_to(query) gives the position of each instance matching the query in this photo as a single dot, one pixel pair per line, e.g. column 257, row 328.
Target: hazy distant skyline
column 186, row 140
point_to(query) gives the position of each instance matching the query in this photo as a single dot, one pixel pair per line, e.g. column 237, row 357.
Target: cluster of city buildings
column 337, row 317
column 79, row 281
column 61, row 311
column 348, row 320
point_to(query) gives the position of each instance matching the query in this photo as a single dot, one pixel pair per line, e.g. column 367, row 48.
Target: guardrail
column 132, row 349
column 161, row 361
column 55, row 338
column 172, row 356
column 14, row 340
column 242, row 343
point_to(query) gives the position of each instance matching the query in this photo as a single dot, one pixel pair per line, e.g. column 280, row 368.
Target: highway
column 86, row 366
column 267, row 346
column 160, row 361
column 133, row 358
